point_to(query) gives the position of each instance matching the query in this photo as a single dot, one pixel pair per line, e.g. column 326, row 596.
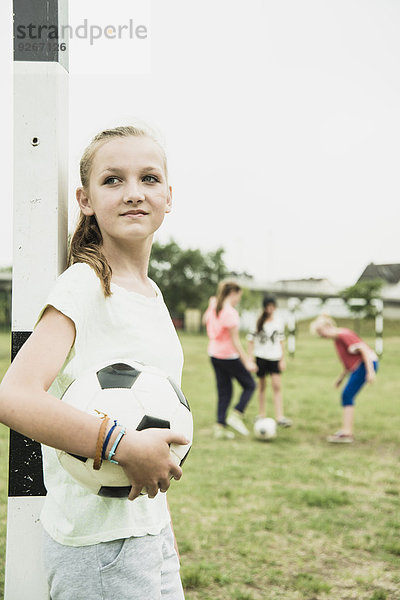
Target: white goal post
column 40, row 239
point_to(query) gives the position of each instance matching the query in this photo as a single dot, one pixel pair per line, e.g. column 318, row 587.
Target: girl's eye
column 150, row 179
column 111, row 180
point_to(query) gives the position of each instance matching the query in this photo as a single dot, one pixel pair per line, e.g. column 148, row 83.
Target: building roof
column 389, row 273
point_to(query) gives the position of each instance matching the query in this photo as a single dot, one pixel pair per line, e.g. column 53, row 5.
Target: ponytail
column 265, row 314
column 224, row 289
column 261, row 320
column 85, row 247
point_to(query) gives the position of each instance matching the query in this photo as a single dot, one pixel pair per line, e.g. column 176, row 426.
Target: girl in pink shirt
column 358, row 360
column 228, row 358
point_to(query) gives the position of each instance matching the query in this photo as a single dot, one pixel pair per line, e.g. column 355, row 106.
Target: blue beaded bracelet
column 103, row 452
column 115, row 446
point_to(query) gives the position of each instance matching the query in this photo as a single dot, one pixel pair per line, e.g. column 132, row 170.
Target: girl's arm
column 248, row 362
column 282, row 362
column 27, row 407
column 339, row 380
column 365, row 352
column 250, row 348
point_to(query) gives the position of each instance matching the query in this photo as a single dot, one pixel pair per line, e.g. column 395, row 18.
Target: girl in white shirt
column 104, row 306
column 266, row 344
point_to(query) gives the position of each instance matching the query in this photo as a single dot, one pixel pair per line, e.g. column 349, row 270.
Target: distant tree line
column 187, row 277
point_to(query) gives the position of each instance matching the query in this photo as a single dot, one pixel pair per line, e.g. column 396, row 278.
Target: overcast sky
column 281, row 120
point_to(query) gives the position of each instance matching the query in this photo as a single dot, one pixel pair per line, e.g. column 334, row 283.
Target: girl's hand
column 371, row 375
column 338, row 381
column 251, row 365
column 146, row 460
column 282, row 364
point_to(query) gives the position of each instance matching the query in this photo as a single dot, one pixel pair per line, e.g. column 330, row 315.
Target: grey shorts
column 128, row 569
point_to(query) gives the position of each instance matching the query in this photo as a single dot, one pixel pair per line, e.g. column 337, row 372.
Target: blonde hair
column 224, row 289
column 323, row 320
column 86, row 241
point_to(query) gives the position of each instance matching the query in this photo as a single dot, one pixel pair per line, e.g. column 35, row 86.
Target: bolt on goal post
column 40, row 225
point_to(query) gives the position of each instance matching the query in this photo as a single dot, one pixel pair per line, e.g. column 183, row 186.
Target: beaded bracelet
column 115, row 446
column 100, row 439
column 103, row 452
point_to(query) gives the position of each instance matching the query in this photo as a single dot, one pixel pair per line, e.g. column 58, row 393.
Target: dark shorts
column 267, row 367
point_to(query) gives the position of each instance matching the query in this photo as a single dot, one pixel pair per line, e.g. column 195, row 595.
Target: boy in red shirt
column 358, row 359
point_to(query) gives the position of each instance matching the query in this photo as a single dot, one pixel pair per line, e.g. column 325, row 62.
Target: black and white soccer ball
column 138, row 397
column 265, row 429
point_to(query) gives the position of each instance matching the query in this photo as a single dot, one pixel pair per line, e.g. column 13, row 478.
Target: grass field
column 295, row 518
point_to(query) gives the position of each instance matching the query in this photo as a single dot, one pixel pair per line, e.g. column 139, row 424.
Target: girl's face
column 270, row 308
column 325, row 331
column 128, row 190
column 234, row 297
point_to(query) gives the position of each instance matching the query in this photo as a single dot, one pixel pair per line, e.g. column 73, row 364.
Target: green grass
column 295, row 518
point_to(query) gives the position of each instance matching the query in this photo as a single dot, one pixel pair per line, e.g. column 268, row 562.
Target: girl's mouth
column 134, row 213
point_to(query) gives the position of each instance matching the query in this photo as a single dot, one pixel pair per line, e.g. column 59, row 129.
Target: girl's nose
column 133, row 193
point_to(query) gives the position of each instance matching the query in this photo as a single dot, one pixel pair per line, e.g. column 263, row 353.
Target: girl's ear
column 84, row 202
column 168, row 207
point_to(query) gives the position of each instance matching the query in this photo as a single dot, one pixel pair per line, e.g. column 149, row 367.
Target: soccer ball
column 138, row 397
column 265, row 429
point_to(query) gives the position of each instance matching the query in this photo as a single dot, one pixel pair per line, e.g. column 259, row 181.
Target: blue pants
column 225, row 371
column 355, row 383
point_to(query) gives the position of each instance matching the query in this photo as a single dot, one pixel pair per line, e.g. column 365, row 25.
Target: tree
column 251, row 299
column 367, row 290
column 188, row 277
column 5, row 298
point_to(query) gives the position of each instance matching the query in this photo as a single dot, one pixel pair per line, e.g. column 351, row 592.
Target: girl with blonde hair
column 228, row 358
column 103, row 307
column 360, row 364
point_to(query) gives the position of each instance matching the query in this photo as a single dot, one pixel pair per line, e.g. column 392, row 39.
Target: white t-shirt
column 127, row 325
column 267, row 343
